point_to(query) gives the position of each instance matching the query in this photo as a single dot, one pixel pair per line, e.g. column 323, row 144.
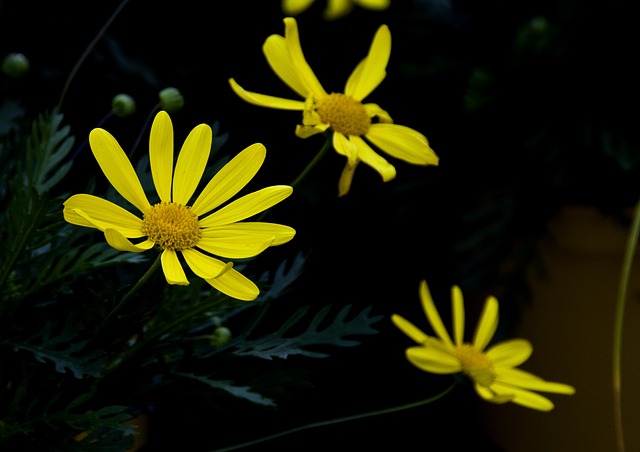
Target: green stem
column 632, row 242
column 338, row 420
column 130, row 293
column 86, row 53
column 323, row 150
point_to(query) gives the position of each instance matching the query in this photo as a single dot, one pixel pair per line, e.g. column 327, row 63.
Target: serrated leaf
column 243, row 392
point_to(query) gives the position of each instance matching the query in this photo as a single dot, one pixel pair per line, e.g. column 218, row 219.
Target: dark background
column 530, row 107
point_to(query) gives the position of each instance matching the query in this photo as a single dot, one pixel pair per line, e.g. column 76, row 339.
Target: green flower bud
column 123, row 105
column 171, row 100
column 15, row 65
column 221, row 335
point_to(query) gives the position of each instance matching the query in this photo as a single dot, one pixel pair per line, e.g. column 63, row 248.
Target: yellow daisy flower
column 493, row 370
column 351, row 121
column 335, row 8
column 172, row 226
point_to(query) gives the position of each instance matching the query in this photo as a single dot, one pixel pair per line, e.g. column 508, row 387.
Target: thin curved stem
column 338, row 421
column 86, row 53
column 323, row 150
column 632, row 242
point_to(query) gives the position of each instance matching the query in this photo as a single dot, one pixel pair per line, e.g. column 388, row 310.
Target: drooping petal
column 346, row 178
column 402, row 143
column 236, row 285
column 433, row 360
column 526, row 380
column 491, row 396
column 432, row 314
column 487, row 324
column 247, row 206
column 457, row 305
column 344, row 146
column 121, row 243
column 206, row 267
column 337, row 8
column 295, row 7
column 172, row 268
column 276, row 51
column 303, row 69
column 191, row 162
column 104, row 215
column 510, row 353
column 372, row 70
column 280, row 233
column 231, row 178
column 161, row 154
column 523, row 397
column 369, row 157
column 409, row 328
column 376, row 5
column 117, row 168
column 381, row 116
column 263, row 100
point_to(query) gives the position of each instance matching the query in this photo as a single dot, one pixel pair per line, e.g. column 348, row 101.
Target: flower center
column 345, row 114
column 172, row 226
column 475, row 364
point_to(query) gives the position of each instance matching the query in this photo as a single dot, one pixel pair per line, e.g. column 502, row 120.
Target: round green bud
column 221, row 335
column 15, row 65
column 123, row 105
column 171, row 100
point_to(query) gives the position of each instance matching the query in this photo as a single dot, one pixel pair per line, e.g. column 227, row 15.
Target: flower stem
column 130, row 293
column 338, row 420
column 86, row 53
column 323, row 150
column 632, row 242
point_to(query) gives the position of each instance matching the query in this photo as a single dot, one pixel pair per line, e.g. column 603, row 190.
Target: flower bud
column 171, row 100
column 15, row 65
column 123, row 105
column 221, row 335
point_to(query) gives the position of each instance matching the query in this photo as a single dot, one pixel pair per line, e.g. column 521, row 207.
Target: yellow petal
column 247, row 206
column 526, row 380
column 206, row 267
column 432, row 314
column 236, row 285
column 433, row 360
column 277, row 53
column 408, row 328
column 117, row 168
column 344, row 146
column 523, row 397
column 337, row 8
column 173, row 271
column 121, row 243
column 374, row 111
column 369, row 157
column 377, row 5
column 231, row 178
column 372, row 70
column 295, row 7
column 280, row 233
column 510, row 353
column 191, row 162
column 346, row 178
column 457, row 304
column 487, row 325
column 236, row 247
column 103, row 214
column 402, row 143
column 263, row 100
column 304, row 72
column 161, row 154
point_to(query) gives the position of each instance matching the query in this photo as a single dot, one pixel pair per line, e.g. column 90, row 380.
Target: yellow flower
column 335, row 8
column 171, row 225
column 493, row 370
column 343, row 113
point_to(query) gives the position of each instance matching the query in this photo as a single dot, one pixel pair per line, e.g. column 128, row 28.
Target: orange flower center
column 172, row 226
column 475, row 364
column 344, row 114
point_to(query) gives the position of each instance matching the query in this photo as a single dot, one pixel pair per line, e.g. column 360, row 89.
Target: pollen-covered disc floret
column 475, row 364
column 172, row 226
column 344, row 114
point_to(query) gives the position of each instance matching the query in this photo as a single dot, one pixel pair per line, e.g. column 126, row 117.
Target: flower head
column 492, row 369
column 195, row 231
column 355, row 125
column 335, row 8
